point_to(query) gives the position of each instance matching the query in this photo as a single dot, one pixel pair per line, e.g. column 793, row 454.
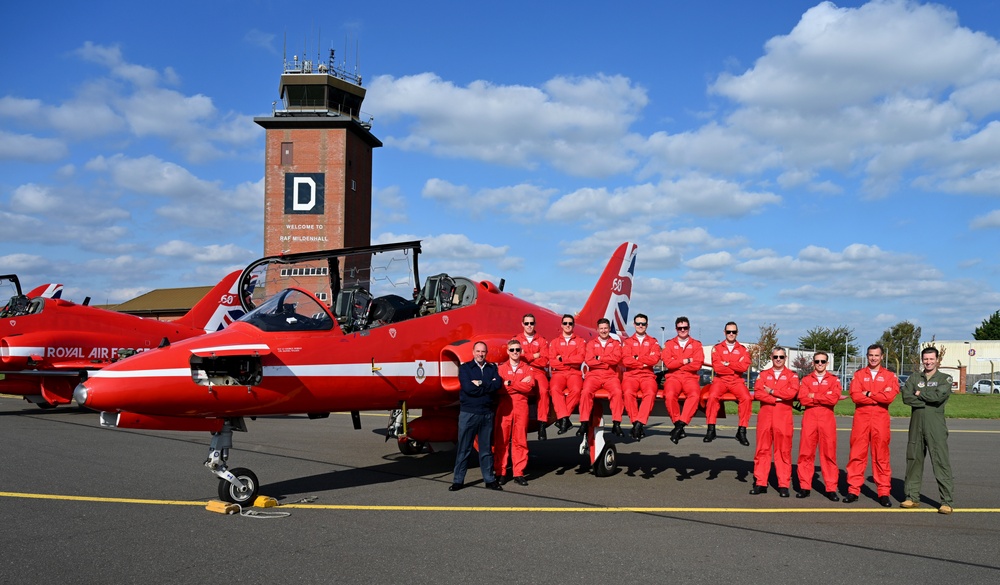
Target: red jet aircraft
column 292, row 355
column 48, row 345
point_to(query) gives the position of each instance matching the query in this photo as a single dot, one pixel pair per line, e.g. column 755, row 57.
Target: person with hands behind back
column 926, row 394
column 819, row 392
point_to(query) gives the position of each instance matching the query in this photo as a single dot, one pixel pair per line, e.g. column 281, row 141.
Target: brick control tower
column 318, row 168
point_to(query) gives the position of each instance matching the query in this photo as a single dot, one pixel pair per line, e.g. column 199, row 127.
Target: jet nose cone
column 80, row 394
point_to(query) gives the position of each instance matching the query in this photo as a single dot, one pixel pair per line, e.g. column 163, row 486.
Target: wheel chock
column 222, row 507
column 265, row 502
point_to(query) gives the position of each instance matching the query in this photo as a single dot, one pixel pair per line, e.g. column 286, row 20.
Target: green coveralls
column 928, row 432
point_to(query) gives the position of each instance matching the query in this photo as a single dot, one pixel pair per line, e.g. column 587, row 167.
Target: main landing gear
column 237, row 485
column 602, row 454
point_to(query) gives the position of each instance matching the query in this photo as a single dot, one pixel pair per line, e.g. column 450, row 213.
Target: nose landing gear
column 237, row 485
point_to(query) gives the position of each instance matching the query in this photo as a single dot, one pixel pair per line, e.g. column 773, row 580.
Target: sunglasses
column 819, row 361
column 514, row 350
column 526, row 323
column 567, row 322
column 637, row 324
column 777, row 357
column 685, row 328
column 731, row 332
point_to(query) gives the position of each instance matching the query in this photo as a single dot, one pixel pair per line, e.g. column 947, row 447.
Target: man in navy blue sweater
column 479, row 382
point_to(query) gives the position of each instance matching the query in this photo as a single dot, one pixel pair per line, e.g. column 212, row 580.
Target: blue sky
column 788, row 162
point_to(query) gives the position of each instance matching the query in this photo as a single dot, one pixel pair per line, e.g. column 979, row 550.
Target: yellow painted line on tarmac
column 99, row 499
column 495, row 509
column 621, row 509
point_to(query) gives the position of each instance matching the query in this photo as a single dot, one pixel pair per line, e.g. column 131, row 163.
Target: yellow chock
column 222, row 507
column 265, row 502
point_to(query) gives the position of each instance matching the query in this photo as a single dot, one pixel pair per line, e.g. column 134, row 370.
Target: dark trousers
column 471, row 426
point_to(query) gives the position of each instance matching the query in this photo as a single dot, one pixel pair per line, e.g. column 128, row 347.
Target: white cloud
column 192, row 201
column 520, row 203
column 576, row 125
column 990, row 220
column 713, row 261
column 28, row 148
column 33, row 198
column 692, row 195
column 212, row 253
column 882, row 90
column 388, row 206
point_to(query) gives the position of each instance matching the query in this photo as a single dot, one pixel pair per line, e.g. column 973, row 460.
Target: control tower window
column 286, row 153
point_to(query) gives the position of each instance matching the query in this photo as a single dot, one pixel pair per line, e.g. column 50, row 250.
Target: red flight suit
column 511, row 425
column 729, row 378
column 774, row 425
column 565, row 359
column 819, row 426
column 682, row 377
column 540, row 346
column 603, row 361
column 871, row 427
column 639, row 381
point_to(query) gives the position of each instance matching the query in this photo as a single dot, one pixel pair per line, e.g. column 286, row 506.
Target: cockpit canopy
column 290, row 310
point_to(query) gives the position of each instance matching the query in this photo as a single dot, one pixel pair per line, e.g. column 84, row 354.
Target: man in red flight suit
column 639, row 354
column 603, row 355
column 819, row 392
column 682, row 357
column 730, row 360
column 536, row 355
column 512, row 415
column 775, row 389
column 565, row 358
column 872, row 390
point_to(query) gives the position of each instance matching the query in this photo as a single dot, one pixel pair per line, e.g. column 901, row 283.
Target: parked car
column 985, row 387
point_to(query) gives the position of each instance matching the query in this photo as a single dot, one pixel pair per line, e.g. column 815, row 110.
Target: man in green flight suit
column 926, row 393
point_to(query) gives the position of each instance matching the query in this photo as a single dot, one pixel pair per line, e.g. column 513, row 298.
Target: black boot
column 709, row 434
column 582, row 431
column 632, row 433
column 563, row 425
column 741, row 436
column 677, row 433
column 616, row 429
column 541, row 432
column 640, row 431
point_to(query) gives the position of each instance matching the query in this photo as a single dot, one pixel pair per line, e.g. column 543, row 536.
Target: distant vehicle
column 985, row 387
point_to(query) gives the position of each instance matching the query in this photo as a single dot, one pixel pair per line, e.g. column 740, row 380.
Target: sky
column 798, row 163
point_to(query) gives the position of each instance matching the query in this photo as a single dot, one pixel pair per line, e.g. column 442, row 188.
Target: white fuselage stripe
column 394, row 369
column 14, row 351
column 246, row 347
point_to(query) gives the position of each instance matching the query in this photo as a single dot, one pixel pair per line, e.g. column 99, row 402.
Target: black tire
column 230, row 493
column 607, row 462
column 410, row 447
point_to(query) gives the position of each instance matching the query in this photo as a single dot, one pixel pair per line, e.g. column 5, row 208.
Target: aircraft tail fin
column 613, row 292
column 50, row 291
column 218, row 309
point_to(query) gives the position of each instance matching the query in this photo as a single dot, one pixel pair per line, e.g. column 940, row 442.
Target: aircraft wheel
column 234, row 495
column 411, row 447
column 607, row 462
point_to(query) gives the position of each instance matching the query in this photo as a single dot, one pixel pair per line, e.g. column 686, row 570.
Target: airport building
column 317, row 170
